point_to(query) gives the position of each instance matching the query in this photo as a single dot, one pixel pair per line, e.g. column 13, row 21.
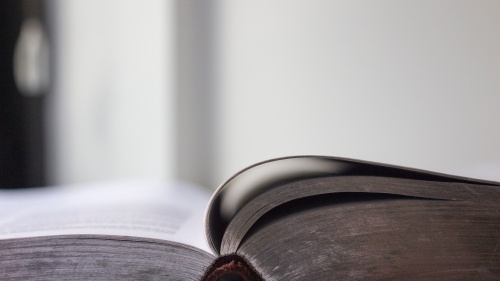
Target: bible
column 291, row 218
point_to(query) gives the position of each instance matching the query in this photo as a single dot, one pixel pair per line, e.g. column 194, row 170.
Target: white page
column 172, row 212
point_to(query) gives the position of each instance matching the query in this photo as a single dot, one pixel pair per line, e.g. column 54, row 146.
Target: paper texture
column 170, row 212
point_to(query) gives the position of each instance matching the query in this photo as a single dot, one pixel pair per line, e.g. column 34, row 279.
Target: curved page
column 261, row 185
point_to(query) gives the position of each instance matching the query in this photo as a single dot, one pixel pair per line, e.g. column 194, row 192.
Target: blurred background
column 196, row 90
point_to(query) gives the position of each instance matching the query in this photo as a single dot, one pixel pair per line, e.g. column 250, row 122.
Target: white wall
column 112, row 113
column 223, row 84
column 415, row 83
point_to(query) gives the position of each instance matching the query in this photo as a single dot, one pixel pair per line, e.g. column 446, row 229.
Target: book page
column 172, row 212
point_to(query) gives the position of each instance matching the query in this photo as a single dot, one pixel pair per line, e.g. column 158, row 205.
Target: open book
column 294, row 218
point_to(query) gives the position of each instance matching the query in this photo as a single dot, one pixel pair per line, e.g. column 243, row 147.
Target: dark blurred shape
column 21, row 111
